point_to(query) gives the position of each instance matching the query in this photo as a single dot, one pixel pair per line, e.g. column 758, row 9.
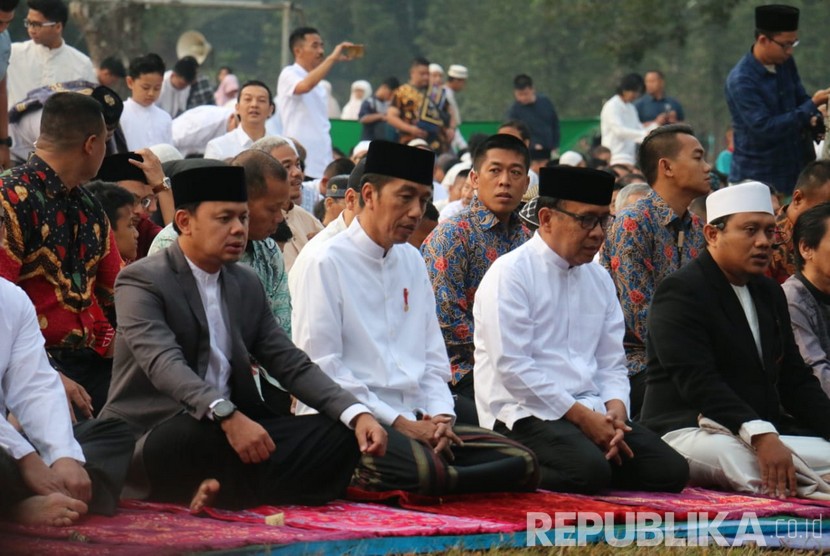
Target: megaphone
column 193, row 43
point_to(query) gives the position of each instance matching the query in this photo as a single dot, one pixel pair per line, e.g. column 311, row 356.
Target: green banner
column 346, row 133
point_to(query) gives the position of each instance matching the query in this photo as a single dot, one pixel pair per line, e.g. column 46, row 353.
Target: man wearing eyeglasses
column 773, row 117
column 550, row 367
column 141, row 174
column 46, row 58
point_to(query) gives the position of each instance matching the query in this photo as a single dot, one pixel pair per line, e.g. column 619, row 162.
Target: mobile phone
column 354, row 51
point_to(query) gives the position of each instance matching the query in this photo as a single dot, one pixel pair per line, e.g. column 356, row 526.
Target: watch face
column 223, row 409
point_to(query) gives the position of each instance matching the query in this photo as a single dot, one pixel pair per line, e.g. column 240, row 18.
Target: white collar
column 547, row 254
column 364, row 242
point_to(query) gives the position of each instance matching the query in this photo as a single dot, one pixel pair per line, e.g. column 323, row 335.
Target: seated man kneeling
column 364, row 311
column 550, row 368
column 188, row 318
column 726, row 386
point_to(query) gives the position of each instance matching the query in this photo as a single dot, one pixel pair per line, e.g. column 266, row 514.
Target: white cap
column 458, row 71
column 452, row 173
column 570, row 158
column 436, row 68
column 417, row 142
column 751, row 196
column 166, row 152
column 361, row 147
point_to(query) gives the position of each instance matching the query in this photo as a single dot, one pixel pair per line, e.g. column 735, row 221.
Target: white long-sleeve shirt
column 546, row 336
column 145, row 126
column 29, row 387
column 33, row 65
column 228, row 145
column 305, row 118
column 621, row 130
column 368, row 320
column 172, row 100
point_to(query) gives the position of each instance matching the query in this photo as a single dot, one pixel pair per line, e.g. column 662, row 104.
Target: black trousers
column 487, row 462
column 638, row 392
column 313, row 463
column 464, row 395
column 108, row 447
column 88, row 369
column 570, row 462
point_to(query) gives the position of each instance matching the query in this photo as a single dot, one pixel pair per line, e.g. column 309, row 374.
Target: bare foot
column 57, row 510
column 205, row 495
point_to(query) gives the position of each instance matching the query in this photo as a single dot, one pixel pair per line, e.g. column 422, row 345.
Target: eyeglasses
column 28, row 23
column 145, row 202
column 588, row 221
column 785, row 45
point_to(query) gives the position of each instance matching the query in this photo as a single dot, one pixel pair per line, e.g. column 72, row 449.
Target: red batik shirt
column 60, row 250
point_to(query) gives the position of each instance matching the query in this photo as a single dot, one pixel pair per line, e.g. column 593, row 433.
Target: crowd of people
column 217, row 308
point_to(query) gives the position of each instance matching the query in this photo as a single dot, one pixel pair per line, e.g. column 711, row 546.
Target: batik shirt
column 644, row 246
column 61, row 252
column 265, row 258
column 458, row 252
column 782, row 265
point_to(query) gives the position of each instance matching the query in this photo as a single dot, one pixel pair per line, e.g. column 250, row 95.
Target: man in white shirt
column 253, row 108
column 620, row 124
column 365, row 312
column 301, row 224
column 727, row 386
column 549, row 361
column 303, row 102
column 46, row 58
column 192, row 326
column 52, row 475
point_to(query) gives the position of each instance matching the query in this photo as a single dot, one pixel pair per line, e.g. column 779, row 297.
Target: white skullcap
column 751, row 196
column 361, row 147
column 457, row 71
column 436, row 68
column 417, row 142
column 166, row 152
column 570, row 158
column 452, row 173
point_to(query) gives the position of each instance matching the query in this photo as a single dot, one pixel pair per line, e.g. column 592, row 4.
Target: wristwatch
column 6, row 142
column 163, row 186
column 222, row 410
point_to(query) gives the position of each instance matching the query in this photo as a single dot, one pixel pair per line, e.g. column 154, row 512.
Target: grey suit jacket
column 162, row 347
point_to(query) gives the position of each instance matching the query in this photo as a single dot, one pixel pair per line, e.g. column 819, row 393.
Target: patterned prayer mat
column 379, row 523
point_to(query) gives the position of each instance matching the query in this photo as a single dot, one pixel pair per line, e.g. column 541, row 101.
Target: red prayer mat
column 136, row 532
column 364, row 520
column 508, row 507
column 701, row 500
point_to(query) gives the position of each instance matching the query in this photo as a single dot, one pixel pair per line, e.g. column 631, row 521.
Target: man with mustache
column 727, row 387
column 549, row 361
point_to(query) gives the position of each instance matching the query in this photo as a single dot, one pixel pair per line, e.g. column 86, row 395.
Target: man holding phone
column 302, row 102
column 774, row 119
